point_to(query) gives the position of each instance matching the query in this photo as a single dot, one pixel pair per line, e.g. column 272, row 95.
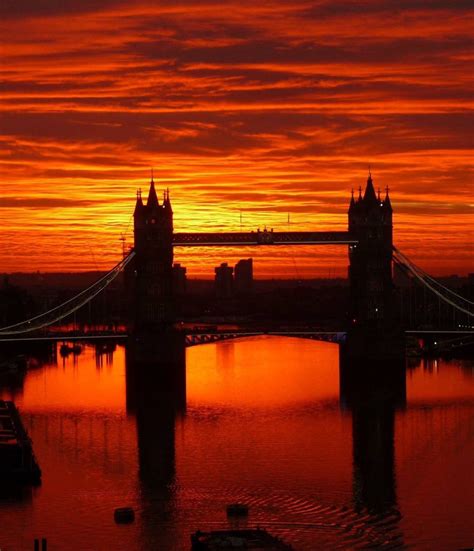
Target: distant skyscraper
column 179, row 279
column 224, row 281
column 243, row 279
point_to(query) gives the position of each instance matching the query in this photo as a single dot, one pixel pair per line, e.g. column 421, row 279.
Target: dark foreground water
column 264, row 421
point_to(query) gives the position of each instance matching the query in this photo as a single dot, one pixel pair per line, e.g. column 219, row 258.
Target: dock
column 18, row 464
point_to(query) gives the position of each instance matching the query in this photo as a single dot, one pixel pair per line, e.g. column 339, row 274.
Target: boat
column 124, row 515
column 18, row 464
column 256, row 539
column 105, row 348
column 237, row 510
column 413, row 348
column 13, row 365
column 66, row 349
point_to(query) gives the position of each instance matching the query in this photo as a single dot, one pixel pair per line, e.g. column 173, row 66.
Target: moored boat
column 124, row 515
column 237, row 510
column 237, row 539
column 18, row 463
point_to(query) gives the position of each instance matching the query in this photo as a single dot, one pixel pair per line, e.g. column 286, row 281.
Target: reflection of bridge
column 372, row 323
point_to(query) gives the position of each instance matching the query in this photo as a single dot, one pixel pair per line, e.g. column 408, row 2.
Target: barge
column 18, row 463
column 237, row 539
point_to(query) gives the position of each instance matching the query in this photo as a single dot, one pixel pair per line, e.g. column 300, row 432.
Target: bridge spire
column 387, row 204
column 166, row 200
column 352, row 203
column 152, row 197
column 369, row 195
column 139, row 203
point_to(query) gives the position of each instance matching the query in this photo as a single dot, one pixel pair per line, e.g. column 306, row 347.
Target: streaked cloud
column 261, row 108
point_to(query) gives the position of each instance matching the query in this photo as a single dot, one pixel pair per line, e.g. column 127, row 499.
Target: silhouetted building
column 179, row 279
column 370, row 270
column 224, row 281
column 152, row 268
column 243, row 277
column 15, row 303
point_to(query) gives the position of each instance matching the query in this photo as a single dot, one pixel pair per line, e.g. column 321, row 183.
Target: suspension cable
column 57, row 313
column 406, row 260
column 430, row 286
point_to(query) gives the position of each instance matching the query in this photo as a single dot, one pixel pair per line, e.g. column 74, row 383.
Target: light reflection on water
column 263, row 421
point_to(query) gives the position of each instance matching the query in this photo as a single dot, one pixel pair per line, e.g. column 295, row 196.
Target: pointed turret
column 369, row 195
column 387, row 204
column 166, row 200
column 352, row 203
column 139, row 203
column 152, row 201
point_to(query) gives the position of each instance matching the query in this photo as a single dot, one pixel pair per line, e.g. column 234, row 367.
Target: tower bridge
column 369, row 238
column 372, row 328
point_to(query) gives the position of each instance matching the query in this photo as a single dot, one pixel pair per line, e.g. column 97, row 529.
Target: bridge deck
column 262, row 238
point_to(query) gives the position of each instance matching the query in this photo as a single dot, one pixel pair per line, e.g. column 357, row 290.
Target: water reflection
column 156, row 396
column 373, row 393
column 321, row 452
column 23, row 357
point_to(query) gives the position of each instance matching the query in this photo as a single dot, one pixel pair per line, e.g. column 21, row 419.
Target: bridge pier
column 158, row 359
column 374, row 345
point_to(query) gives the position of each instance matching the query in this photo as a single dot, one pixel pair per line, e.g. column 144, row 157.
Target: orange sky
column 267, row 107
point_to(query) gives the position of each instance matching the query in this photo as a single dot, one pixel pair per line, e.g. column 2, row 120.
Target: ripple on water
column 303, row 522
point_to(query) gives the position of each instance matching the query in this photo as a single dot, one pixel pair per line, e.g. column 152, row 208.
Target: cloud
column 268, row 107
column 42, row 202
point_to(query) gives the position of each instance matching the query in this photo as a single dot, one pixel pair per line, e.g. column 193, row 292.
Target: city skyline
column 263, row 110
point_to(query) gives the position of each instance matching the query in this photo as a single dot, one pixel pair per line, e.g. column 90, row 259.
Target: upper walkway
column 265, row 237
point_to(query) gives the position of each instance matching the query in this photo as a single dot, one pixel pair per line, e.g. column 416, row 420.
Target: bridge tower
column 152, row 266
column 372, row 312
column 370, row 269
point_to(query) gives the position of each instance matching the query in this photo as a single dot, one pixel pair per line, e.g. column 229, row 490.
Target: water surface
column 266, row 421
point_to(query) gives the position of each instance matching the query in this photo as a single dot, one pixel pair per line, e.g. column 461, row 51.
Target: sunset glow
column 260, row 108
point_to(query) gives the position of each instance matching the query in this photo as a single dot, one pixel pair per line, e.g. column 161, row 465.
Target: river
column 266, row 421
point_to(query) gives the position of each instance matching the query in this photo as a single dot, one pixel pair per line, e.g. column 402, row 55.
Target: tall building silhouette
column 370, row 270
column 152, row 266
column 224, row 281
column 243, row 277
column 179, row 279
